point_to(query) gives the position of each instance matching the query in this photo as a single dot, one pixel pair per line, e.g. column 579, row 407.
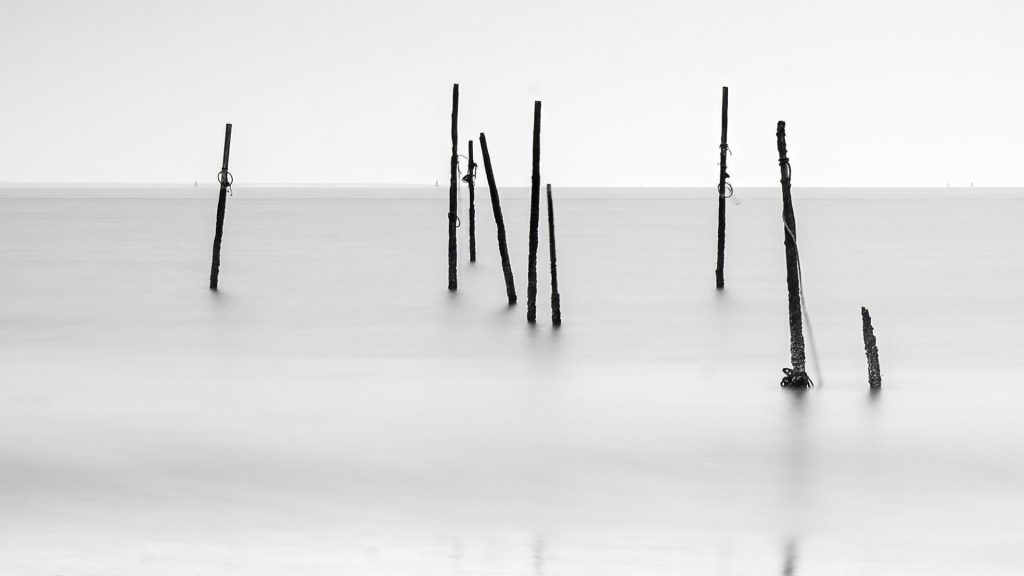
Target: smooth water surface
column 335, row 410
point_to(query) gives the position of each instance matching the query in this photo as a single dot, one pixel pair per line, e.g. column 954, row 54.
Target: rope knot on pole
column 225, row 179
column 786, row 168
column 470, row 176
column 795, row 379
column 726, row 190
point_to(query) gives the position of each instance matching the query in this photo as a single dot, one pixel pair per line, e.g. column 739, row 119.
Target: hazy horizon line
column 194, row 184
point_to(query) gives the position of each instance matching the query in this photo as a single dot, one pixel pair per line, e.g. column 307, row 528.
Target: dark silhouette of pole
column 556, row 300
column 722, row 175
column 796, row 377
column 453, row 198
column 871, row 349
column 499, row 221
column 470, row 179
column 224, row 178
column 531, row 272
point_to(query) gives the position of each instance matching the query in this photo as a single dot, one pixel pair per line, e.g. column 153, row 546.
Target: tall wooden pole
column 531, row 272
column 499, row 221
column 453, row 195
column 796, row 377
column 722, row 175
column 496, row 206
column 470, row 179
column 224, row 178
column 556, row 299
column 871, row 350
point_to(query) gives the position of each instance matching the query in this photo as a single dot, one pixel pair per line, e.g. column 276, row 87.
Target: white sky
column 895, row 92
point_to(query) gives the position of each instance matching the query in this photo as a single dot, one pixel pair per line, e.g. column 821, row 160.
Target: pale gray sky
column 895, row 92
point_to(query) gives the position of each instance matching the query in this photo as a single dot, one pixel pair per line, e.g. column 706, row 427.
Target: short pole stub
column 871, row 350
column 225, row 179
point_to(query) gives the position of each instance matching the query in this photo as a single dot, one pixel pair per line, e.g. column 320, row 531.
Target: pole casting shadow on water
column 789, row 567
column 539, row 554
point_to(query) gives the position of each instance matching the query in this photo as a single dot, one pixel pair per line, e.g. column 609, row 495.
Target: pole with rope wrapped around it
column 225, row 180
column 795, row 377
column 722, row 185
column 470, row 179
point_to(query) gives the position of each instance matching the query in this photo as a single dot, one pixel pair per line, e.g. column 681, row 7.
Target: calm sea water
column 335, row 410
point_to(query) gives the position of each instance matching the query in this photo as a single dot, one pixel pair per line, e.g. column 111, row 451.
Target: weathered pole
column 470, row 179
column 796, row 377
column 499, row 221
column 871, row 350
column 531, row 272
column 453, row 195
column 556, row 300
column 224, row 178
column 722, row 175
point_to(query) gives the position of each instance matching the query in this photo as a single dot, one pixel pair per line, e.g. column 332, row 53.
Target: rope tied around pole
column 725, row 190
column 470, row 176
column 225, row 179
column 459, row 180
column 728, row 188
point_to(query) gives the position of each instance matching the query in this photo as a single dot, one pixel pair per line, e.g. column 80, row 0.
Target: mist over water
column 334, row 409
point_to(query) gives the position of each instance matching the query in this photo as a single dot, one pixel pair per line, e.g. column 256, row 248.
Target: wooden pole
column 722, row 175
column 796, row 377
column 499, row 221
column 531, row 272
column 224, row 178
column 871, row 349
column 470, row 179
column 556, row 300
column 453, row 198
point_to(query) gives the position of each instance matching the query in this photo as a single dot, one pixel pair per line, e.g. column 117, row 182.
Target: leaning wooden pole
column 453, row 195
column 556, row 300
column 871, row 350
column 224, row 178
column 499, row 222
column 722, row 175
column 470, row 179
column 796, row 377
column 531, row 272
